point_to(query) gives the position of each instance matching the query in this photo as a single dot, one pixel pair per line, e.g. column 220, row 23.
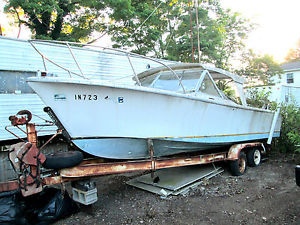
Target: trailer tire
column 239, row 167
column 254, row 157
column 60, row 160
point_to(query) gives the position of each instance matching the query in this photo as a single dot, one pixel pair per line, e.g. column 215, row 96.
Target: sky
column 277, row 22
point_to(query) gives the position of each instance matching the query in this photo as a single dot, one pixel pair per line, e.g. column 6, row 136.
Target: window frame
column 290, row 80
column 201, row 80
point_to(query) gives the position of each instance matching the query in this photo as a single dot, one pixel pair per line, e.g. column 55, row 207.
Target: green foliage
column 289, row 139
column 235, row 30
column 225, row 88
column 166, row 34
column 259, row 98
column 293, row 54
column 73, row 20
column 149, row 27
column 259, row 69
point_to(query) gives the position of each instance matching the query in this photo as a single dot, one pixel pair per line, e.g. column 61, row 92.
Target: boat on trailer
column 177, row 108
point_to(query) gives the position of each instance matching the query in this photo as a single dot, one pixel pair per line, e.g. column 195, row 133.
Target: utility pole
column 197, row 22
column 192, row 44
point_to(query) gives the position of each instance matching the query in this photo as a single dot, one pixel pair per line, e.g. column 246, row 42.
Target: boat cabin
column 192, row 78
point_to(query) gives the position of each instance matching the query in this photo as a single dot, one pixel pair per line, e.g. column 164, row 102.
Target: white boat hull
column 114, row 121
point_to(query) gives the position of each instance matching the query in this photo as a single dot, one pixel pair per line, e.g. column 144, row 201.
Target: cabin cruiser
column 176, row 107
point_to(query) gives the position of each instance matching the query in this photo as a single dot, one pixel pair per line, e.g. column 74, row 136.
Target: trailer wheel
column 60, row 160
column 254, row 157
column 238, row 167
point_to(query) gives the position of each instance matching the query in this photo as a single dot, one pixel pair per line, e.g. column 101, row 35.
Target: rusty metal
column 9, row 186
column 98, row 167
column 6, row 128
column 26, row 160
column 31, row 133
column 50, row 139
column 151, row 152
column 25, row 157
column 19, row 119
column 234, row 151
column 14, row 184
column 86, row 170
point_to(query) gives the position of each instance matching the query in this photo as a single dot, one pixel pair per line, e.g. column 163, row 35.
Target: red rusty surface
column 25, row 157
column 14, row 185
column 31, row 133
column 85, row 169
column 26, row 152
column 234, row 151
column 19, row 119
column 9, row 186
column 31, row 190
column 31, row 156
column 52, row 180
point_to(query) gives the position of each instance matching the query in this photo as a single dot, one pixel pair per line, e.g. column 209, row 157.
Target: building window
column 290, row 78
column 13, row 82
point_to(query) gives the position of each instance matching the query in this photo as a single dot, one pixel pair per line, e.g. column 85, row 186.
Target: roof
column 295, row 65
column 215, row 72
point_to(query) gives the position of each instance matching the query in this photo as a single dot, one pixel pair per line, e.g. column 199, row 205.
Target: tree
column 149, row 27
column 235, row 30
column 166, row 33
column 73, row 20
column 293, row 54
column 259, row 69
column 144, row 29
column 209, row 35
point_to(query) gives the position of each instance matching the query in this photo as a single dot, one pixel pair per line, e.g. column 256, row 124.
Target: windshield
column 208, row 87
column 166, row 80
column 210, row 82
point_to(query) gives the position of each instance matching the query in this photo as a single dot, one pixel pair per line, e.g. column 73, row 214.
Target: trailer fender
column 234, row 151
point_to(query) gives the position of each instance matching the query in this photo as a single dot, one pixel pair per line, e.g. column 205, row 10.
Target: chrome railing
column 81, row 74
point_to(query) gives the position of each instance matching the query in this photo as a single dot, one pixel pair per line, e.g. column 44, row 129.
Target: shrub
column 289, row 139
column 258, row 98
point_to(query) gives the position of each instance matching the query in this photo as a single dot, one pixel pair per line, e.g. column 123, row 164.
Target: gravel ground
column 266, row 194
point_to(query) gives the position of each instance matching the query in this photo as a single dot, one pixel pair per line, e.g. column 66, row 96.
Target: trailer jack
column 25, row 157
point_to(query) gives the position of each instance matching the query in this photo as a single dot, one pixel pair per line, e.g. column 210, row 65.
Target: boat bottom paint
column 137, row 148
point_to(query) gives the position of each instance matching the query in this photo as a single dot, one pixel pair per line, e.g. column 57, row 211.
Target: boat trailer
column 27, row 160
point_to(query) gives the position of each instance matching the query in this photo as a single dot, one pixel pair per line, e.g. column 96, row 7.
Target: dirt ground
column 266, row 194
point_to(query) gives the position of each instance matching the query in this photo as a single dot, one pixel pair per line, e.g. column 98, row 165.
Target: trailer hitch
column 22, row 120
column 25, row 157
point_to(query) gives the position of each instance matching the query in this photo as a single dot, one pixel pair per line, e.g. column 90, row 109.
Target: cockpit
column 192, row 78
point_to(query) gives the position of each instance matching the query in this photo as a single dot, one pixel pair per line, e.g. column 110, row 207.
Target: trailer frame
column 99, row 166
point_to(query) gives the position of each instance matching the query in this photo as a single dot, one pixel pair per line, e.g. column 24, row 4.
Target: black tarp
column 43, row 208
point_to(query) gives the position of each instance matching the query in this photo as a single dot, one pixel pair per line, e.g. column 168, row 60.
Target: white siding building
column 287, row 85
column 290, row 81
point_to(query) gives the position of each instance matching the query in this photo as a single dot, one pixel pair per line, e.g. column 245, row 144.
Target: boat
column 176, row 108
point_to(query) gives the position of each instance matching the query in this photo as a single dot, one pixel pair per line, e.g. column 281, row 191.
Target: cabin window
column 147, row 82
column 289, row 78
column 208, row 87
column 168, row 81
